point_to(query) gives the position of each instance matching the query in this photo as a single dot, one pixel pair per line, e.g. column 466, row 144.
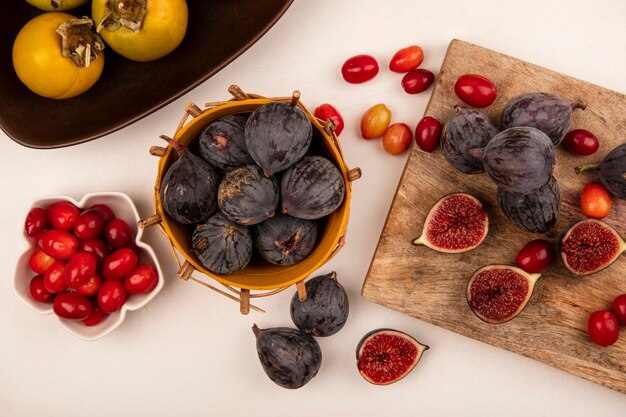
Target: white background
column 190, row 352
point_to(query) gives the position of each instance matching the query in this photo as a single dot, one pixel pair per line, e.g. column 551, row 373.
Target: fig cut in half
column 385, row 356
column 589, row 246
column 498, row 293
column 456, row 223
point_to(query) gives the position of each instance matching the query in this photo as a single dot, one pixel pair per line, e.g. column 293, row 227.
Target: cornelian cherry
column 535, row 256
column 143, row 279
column 326, row 111
column 36, row 221
column 71, row 306
column 375, row 121
column 62, row 215
column 595, row 201
column 54, row 278
column 427, row 133
column 359, row 68
column 417, row 80
column 406, row 59
column 111, row 295
column 475, row 90
column 80, row 268
column 118, row 234
column 581, row 142
column 38, row 291
column 89, row 224
column 397, row 138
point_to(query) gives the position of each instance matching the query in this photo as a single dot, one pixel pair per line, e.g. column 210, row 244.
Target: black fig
column 612, row 171
column 290, row 357
column 223, row 247
column 546, row 112
column 589, row 246
column 278, row 134
column 285, row 240
column 498, row 293
column 519, row 159
column 325, row 310
column 456, row 223
column 466, row 129
column 385, row 356
column 189, row 188
column 246, row 196
column 312, row 189
column 223, row 145
column 535, row 212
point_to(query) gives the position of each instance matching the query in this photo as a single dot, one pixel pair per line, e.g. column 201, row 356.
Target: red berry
column 36, row 221
column 89, row 224
column 106, row 211
column 326, row 111
column 54, row 278
column 95, row 246
column 62, row 215
column 406, row 59
column 111, row 296
column 142, row 280
column 118, row 234
column 359, row 68
column 581, row 142
column 95, row 317
column 397, row 138
column 603, row 328
column 38, row 290
column 475, row 90
column 80, row 268
column 535, row 256
column 427, row 133
column 58, row 243
column 119, row 263
column 72, row 306
column 40, row 261
column 619, row 308
column 90, row 287
column 417, row 80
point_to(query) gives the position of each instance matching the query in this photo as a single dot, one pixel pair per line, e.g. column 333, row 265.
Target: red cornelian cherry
column 327, row 111
column 427, row 133
column 581, row 142
column 406, row 59
column 36, row 221
column 359, row 68
column 417, row 80
column 38, row 291
column 62, row 215
column 535, row 256
column 475, row 90
column 397, row 138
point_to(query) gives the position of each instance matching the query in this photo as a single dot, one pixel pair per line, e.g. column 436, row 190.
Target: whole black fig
column 189, row 188
column 612, row 171
column 518, row 159
column 312, row 188
column 285, row 240
column 535, row 212
column 223, row 246
column 546, row 112
column 466, row 129
column 290, row 357
column 223, row 144
column 277, row 135
column 325, row 310
column 246, row 196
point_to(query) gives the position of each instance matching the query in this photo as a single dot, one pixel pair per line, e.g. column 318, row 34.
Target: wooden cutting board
column 431, row 286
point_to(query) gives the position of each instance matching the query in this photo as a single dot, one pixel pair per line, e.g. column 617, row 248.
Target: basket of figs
column 253, row 193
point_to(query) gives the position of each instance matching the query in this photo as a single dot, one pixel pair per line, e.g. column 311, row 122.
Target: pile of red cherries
column 86, row 261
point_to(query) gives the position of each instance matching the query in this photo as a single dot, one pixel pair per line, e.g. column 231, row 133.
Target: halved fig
column 456, row 223
column 589, row 246
column 385, row 356
column 498, row 293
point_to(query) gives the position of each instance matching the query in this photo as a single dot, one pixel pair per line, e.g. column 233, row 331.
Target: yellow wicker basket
column 258, row 275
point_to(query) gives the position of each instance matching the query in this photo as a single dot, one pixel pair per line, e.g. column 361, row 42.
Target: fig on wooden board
column 612, row 171
column 589, row 246
column 498, row 293
column 456, row 223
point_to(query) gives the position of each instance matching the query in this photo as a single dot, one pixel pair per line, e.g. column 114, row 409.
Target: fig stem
column 588, row 167
column 417, row 241
column 457, row 108
column 477, row 152
column 256, row 330
column 579, row 105
column 179, row 148
column 333, row 276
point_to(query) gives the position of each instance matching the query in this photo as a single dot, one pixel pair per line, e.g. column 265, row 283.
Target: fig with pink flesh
column 385, row 356
column 589, row 246
column 456, row 223
column 498, row 293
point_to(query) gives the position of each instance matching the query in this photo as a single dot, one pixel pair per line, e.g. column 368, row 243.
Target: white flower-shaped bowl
column 124, row 209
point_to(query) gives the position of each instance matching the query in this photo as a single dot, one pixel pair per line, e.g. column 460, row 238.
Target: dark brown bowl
column 218, row 32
